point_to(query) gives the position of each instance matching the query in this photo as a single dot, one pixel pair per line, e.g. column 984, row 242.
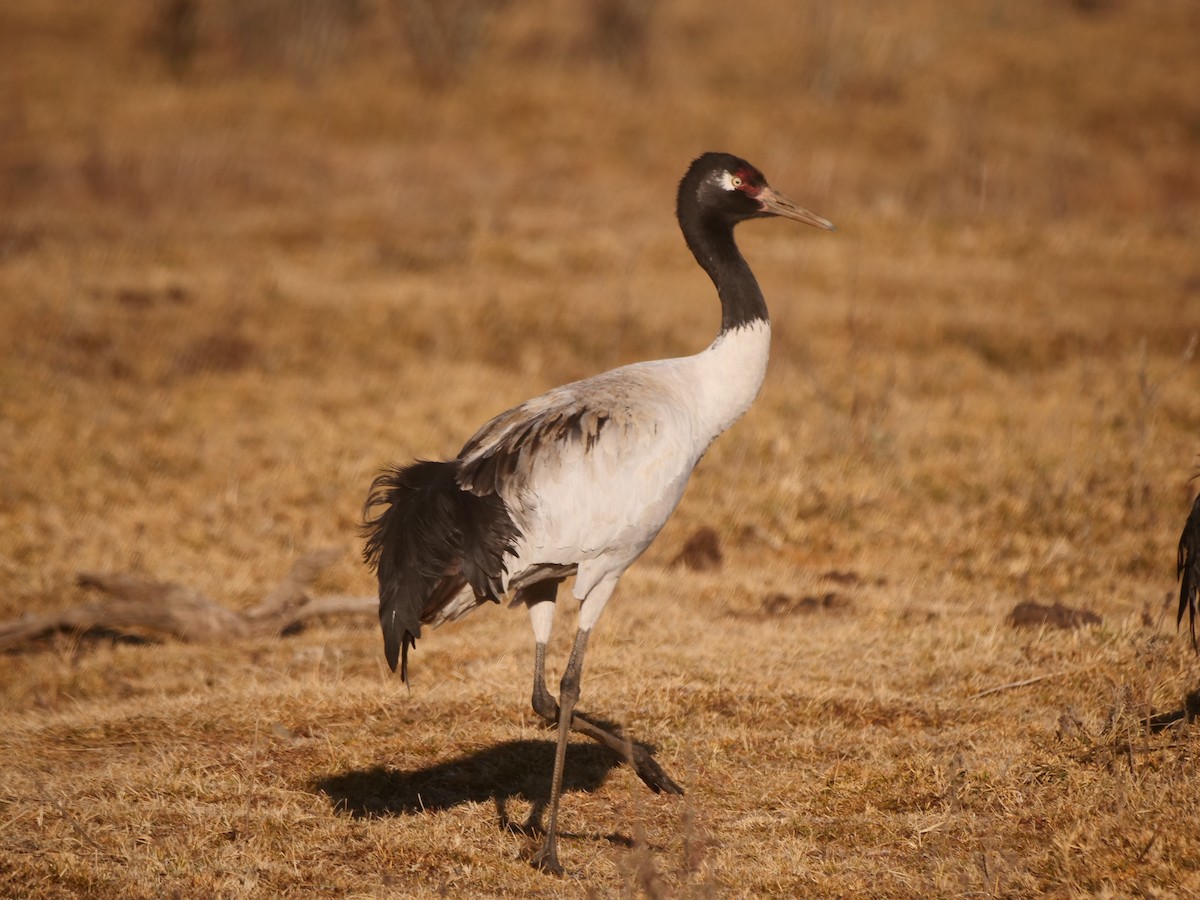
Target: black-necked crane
column 580, row 480
column 1187, row 569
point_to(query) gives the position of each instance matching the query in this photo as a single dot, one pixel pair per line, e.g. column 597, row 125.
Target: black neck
column 710, row 238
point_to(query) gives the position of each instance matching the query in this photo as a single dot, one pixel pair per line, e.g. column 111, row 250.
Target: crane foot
column 546, row 859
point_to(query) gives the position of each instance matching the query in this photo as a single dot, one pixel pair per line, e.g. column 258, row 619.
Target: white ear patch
column 726, row 180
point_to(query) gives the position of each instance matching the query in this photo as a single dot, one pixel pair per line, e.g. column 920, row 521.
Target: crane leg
column 543, row 704
column 539, row 597
column 637, row 755
column 568, row 694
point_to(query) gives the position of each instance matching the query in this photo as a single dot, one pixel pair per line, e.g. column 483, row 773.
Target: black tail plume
column 1188, row 568
column 425, row 537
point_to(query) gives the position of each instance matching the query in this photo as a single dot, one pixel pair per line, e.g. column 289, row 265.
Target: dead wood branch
column 140, row 605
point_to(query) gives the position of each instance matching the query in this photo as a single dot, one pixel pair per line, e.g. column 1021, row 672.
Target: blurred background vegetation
column 928, row 110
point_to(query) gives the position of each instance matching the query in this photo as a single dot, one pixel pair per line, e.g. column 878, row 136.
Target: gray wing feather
column 499, row 457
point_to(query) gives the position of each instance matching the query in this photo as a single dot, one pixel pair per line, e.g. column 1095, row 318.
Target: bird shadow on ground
column 507, row 771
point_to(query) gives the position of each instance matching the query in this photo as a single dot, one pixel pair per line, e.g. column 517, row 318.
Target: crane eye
column 736, row 181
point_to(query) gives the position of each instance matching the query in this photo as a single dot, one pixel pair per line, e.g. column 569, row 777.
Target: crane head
column 735, row 190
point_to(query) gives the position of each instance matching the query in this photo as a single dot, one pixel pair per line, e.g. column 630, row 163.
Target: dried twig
column 82, row 833
column 1015, row 684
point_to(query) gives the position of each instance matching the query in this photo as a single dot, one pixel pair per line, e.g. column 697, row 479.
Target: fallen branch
column 135, row 604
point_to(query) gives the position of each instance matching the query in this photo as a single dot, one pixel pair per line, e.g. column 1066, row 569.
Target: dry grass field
column 251, row 252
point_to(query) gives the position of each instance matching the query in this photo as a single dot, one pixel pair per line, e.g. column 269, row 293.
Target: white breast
column 600, row 506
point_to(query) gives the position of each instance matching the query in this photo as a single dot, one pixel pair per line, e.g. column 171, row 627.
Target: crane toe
column 651, row 773
column 546, row 860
